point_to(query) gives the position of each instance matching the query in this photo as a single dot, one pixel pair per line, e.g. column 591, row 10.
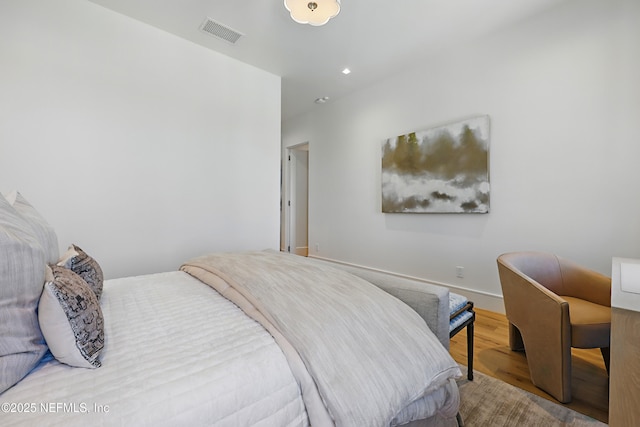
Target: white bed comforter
column 176, row 354
column 363, row 358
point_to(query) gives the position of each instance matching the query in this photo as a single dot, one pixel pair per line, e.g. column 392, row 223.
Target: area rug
column 486, row 401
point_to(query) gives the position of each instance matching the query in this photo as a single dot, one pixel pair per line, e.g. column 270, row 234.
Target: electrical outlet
column 317, row 247
column 459, row 272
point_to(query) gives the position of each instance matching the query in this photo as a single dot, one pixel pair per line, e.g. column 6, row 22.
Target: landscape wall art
column 444, row 169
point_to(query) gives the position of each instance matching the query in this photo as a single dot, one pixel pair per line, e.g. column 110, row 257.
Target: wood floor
column 493, row 357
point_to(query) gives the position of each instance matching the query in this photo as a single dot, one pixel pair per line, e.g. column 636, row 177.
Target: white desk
column 624, row 379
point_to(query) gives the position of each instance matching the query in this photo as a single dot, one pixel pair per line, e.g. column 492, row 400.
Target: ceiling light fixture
column 346, row 71
column 312, row 12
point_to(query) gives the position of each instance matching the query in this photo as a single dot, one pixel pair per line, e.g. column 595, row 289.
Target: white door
column 298, row 200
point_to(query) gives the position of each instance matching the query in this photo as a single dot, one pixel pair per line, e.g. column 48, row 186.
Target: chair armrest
column 542, row 318
column 430, row 301
column 586, row 284
column 524, row 296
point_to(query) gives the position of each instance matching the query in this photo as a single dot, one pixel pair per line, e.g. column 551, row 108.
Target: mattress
column 176, row 353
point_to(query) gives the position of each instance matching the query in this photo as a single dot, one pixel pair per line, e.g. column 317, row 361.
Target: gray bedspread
column 361, row 356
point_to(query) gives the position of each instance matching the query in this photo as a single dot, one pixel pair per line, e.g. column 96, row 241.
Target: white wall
column 563, row 94
column 140, row 147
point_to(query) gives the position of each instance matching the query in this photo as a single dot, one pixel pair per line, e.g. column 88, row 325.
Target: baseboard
column 481, row 299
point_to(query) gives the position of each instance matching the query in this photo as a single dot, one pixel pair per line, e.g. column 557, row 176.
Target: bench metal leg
column 470, row 351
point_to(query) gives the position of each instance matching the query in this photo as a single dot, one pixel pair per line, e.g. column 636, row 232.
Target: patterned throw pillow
column 76, row 260
column 71, row 319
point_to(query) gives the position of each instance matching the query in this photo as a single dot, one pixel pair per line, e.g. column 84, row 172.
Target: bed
column 255, row 338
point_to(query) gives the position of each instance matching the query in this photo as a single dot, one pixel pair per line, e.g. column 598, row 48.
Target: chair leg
column 515, row 338
column 549, row 360
column 606, row 356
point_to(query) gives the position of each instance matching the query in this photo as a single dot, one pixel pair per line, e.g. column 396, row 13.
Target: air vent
column 220, row 31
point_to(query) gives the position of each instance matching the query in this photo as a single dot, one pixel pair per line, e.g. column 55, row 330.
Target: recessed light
column 346, row 71
column 321, row 100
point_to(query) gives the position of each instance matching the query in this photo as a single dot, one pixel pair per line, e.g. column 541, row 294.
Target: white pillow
column 45, row 233
column 22, row 269
column 71, row 319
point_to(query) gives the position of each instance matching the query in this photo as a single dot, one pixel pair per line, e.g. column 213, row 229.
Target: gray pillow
column 22, row 269
column 71, row 319
column 77, row 260
column 45, row 234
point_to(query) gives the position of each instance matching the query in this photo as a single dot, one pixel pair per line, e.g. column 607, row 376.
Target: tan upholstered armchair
column 553, row 304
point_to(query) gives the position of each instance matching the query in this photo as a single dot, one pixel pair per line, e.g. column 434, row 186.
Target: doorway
column 297, row 200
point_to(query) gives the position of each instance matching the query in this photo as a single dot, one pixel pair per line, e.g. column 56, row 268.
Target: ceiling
column 373, row 38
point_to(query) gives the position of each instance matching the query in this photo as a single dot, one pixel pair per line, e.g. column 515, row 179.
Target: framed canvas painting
column 444, row 169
